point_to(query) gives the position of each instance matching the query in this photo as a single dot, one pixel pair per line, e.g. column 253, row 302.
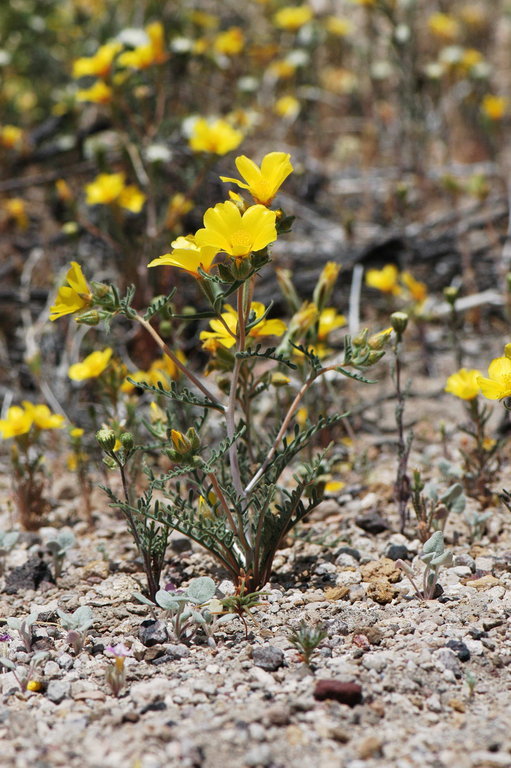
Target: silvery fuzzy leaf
column 444, row 558
column 435, row 544
column 430, row 490
column 201, row 590
column 198, row 617
column 166, row 600
column 427, row 557
column 142, row 599
column 186, row 613
column 7, row 663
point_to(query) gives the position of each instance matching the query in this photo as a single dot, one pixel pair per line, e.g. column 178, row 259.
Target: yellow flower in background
column 304, row 319
column 263, row 182
column 444, row 26
column 99, row 65
column 74, row 296
column 292, row 18
column 16, row 211
column 282, row 69
column 385, row 280
column 18, row 422
column 220, row 336
column 418, row 291
column 153, row 52
column 338, row 26
column 179, row 206
column 236, row 234
column 329, row 320
column 494, row 107
column 42, row 417
column 110, row 189
column 76, row 432
column 187, row 255
column 498, row 384
column 464, row 384
column 216, row 137
column 99, row 93
column 231, row 42
column 92, row 366
column 161, row 369
column 11, row 137
column 287, row 107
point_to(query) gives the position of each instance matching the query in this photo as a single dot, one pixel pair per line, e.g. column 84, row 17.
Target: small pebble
column 268, row 657
column 345, row 693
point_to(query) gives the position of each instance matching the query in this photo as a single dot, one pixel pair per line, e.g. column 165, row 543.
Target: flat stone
column 30, row 575
column 372, row 522
column 381, row 591
column 397, row 552
column 385, row 568
column 58, row 690
column 152, row 633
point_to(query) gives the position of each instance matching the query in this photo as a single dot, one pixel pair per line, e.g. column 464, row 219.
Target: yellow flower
column 230, row 42
column 220, row 336
column 179, row 206
column 226, row 229
column 279, row 379
column 287, row 106
column 160, row 370
column 92, row 366
column 34, row 685
column 216, row 137
column 498, row 383
column 334, row 486
column 72, row 297
column 18, row 422
column 98, row 65
column 418, row 290
column 42, row 417
column 76, row 432
column 63, row 190
column 464, row 384
column 145, row 56
column 16, row 211
column 110, row 189
column 292, row 18
column 329, row 320
column 340, row 27
column 99, row 93
column 263, row 182
column 444, row 26
column 282, row 69
column 385, row 280
column 494, row 107
column 304, row 319
column 187, row 255
column 11, row 137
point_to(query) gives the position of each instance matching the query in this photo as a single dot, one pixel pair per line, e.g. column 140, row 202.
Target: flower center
column 240, row 239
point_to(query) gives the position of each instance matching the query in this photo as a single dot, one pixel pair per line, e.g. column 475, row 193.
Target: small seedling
column 476, row 522
column 241, row 605
column 306, row 640
column 77, row 625
column 471, row 682
column 24, row 627
column 58, row 547
column 189, row 607
column 434, row 555
column 25, row 675
column 432, row 508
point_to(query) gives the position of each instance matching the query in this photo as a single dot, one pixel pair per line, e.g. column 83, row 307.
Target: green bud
column 241, row 269
column 127, row 441
column 89, row 318
column 508, row 281
column 361, row 338
column 451, row 293
column 399, row 321
column 106, row 439
column 100, row 290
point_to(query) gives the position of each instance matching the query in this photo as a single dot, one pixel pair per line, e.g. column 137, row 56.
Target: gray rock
column 268, row 657
column 153, row 632
column 260, row 755
column 174, row 652
column 58, row 690
column 65, row 661
column 465, row 560
column 372, row 523
column 397, row 552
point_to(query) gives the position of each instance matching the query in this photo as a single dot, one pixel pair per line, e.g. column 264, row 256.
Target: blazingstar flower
column 161, row 370
column 464, row 384
column 498, row 384
column 42, row 417
column 217, row 137
column 329, row 320
column 18, row 422
column 227, row 230
column 99, row 93
column 110, row 189
column 230, row 42
column 100, row 64
column 263, row 182
column 444, row 26
column 153, row 52
column 220, row 336
column 418, row 291
column 385, row 280
column 90, row 367
column 292, row 18
column 494, row 107
column 73, row 297
column 11, row 137
column 187, row 255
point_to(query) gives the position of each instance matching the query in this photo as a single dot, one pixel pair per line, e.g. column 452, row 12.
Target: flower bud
column 100, row 290
column 127, row 441
column 325, row 284
column 399, row 321
column 451, row 293
column 89, row 318
column 106, row 439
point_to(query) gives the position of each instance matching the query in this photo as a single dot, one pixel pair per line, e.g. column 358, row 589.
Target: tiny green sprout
column 77, row 624
column 306, row 640
column 241, row 604
column 434, row 555
column 476, row 522
column 189, row 609
column 471, row 682
column 24, row 627
column 58, row 547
